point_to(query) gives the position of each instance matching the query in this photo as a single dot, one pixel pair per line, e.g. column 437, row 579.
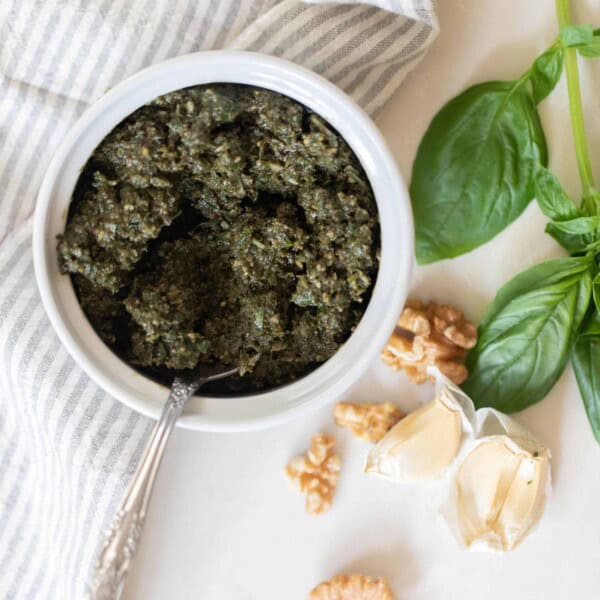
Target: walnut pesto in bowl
column 227, row 223
column 141, row 390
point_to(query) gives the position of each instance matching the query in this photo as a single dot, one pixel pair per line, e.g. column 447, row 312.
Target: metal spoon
column 120, row 545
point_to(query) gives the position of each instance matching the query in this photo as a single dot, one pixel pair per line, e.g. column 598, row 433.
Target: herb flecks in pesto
column 223, row 223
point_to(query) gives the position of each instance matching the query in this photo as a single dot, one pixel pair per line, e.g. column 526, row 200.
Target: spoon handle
column 121, row 541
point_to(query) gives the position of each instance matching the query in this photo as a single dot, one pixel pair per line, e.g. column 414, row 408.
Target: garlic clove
column 423, row 444
column 524, row 503
column 500, row 490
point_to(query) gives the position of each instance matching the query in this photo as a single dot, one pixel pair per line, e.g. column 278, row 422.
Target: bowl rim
column 335, row 376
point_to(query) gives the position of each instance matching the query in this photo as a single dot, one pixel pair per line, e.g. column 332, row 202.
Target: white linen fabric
column 67, row 449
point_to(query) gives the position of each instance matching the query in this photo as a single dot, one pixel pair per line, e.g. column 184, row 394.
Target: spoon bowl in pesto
column 224, row 206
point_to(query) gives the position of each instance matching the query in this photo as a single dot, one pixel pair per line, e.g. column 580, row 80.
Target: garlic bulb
column 423, row 444
column 500, row 487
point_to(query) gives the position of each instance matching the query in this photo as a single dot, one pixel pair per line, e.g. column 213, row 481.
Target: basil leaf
column 576, row 235
column 586, row 364
column 588, row 46
column 590, row 205
column 546, row 72
column 596, row 292
column 592, row 327
column 592, row 50
column 552, row 198
column 573, row 36
column 473, row 174
column 527, row 333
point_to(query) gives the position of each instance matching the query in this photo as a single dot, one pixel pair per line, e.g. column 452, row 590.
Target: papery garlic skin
column 501, row 487
column 423, row 444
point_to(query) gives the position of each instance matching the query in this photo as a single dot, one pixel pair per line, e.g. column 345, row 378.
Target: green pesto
column 223, row 223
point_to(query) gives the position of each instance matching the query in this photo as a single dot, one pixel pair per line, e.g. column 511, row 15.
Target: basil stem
column 575, row 106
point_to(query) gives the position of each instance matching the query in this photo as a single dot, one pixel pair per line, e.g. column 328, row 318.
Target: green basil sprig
column 481, row 161
column 527, row 333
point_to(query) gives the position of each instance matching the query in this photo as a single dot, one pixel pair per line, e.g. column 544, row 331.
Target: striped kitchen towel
column 67, row 450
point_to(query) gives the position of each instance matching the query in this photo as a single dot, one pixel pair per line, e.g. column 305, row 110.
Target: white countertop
column 223, row 524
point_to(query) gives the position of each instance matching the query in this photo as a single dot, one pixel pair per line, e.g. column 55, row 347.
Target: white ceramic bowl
column 253, row 411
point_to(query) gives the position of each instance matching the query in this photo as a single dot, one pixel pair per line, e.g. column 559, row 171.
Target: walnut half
column 369, row 422
column 316, row 473
column 353, row 587
column 430, row 335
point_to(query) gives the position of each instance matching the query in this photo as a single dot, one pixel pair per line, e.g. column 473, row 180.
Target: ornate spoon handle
column 123, row 535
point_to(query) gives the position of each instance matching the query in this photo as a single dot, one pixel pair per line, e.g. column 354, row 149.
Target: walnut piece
column 369, row 422
column 316, row 473
column 430, row 335
column 353, row 587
